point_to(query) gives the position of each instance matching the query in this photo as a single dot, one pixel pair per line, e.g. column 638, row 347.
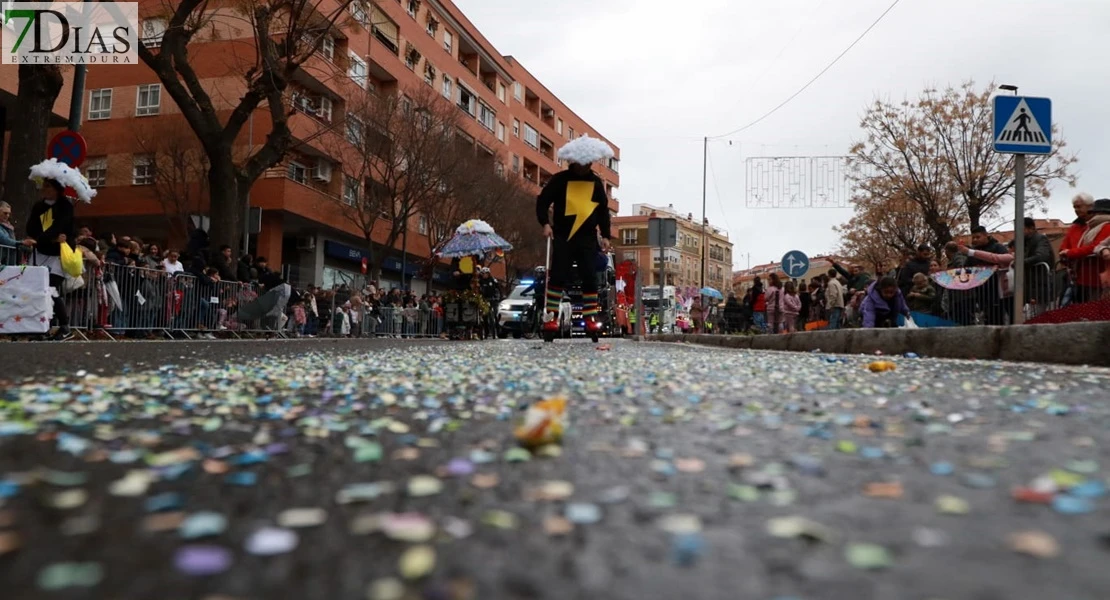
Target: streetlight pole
column 704, row 183
column 1019, row 230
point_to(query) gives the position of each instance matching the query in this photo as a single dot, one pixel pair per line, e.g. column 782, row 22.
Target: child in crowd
column 791, row 308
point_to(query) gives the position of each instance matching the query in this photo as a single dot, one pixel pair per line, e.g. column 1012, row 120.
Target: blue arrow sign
column 1022, row 125
column 795, row 263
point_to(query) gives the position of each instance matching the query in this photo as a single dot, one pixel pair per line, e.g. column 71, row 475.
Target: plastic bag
column 72, row 263
column 909, row 324
column 542, row 423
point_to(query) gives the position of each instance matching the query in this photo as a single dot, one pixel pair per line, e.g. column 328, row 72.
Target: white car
column 512, row 311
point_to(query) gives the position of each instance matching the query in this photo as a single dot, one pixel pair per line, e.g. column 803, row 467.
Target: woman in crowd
column 883, row 303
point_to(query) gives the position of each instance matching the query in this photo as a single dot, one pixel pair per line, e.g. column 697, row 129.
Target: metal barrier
column 13, row 255
column 401, row 322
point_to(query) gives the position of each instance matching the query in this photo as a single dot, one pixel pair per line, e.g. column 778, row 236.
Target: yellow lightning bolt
column 580, row 203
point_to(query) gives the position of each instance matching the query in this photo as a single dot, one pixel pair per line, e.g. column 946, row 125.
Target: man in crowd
column 1040, row 262
column 225, row 264
column 989, row 295
column 1085, row 234
column 834, row 299
column 918, row 263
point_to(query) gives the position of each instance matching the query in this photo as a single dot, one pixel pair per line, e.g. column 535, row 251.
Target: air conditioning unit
column 306, row 243
column 322, row 171
column 549, row 113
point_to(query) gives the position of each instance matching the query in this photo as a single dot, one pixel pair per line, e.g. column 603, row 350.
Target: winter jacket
column 922, row 300
column 911, row 268
column 243, row 272
column 1003, row 260
column 7, row 235
column 1038, row 249
column 834, row 294
column 47, row 222
column 791, row 306
column 1079, row 248
column 774, row 303
column 856, row 283
column 875, row 308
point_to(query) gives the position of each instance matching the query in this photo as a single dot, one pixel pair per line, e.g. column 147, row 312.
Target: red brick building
column 388, row 46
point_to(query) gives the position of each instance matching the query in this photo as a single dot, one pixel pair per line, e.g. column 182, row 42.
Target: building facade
column 385, row 47
column 818, row 265
column 683, row 263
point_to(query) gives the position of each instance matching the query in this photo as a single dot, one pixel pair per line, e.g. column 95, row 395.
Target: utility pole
column 704, row 183
column 247, row 214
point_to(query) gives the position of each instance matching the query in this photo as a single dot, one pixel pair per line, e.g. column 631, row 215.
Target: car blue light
column 527, row 281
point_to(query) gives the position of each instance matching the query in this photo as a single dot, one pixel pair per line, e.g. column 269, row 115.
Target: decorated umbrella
column 70, row 177
column 712, row 293
column 473, row 238
column 965, row 278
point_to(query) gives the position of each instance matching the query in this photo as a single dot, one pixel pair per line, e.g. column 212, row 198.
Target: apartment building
column 386, row 47
column 683, row 263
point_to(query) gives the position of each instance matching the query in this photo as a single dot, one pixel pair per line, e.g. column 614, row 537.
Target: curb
column 1067, row 344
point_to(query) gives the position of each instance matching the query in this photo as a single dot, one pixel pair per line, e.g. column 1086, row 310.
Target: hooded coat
column 875, row 308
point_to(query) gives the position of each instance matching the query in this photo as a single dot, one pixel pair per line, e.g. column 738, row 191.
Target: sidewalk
column 1070, row 344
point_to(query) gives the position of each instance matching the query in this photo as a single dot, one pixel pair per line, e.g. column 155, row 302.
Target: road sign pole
column 1019, row 239
column 637, row 327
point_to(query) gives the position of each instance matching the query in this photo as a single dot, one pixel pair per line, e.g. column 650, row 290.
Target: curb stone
column 1067, row 344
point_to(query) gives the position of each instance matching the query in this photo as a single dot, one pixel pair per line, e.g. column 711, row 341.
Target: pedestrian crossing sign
column 1022, row 125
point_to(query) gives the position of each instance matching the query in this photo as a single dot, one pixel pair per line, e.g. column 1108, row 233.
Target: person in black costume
column 50, row 225
column 579, row 205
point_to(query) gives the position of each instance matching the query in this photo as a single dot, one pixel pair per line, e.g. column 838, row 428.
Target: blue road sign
column 68, row 147
column 795, row 264
column 1022, row 125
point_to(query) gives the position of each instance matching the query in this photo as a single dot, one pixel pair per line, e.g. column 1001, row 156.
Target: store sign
column 344, row 252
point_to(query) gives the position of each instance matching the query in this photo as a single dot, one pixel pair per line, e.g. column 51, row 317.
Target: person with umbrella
column 581, row 212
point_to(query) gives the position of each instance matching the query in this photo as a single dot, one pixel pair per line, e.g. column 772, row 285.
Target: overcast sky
column 654, row 76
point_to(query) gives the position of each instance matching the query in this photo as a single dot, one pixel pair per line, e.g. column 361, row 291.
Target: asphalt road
column 735, row 439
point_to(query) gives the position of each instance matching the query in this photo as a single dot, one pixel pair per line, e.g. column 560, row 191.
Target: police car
column 512, row 313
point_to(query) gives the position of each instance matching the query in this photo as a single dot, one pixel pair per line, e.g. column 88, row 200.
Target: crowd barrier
column 383, row 321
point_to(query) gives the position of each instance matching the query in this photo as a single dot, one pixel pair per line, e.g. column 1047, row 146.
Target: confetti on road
column 351, row 458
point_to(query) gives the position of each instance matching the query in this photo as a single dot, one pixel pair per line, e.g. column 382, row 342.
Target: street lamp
column 1009, row 88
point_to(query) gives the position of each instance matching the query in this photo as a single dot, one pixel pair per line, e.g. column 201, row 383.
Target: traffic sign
column 68, row 147
column 1022, row 125
column 795, row 263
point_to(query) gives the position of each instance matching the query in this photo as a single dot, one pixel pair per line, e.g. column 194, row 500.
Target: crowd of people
column 853, row 297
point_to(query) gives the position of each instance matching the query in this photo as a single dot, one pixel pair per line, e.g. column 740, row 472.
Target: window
column 350, row 190
column 327, row 47
column 385, row 30
column 422, row 225
column 153, row 30
column 615, row 165
column 433, row 25
column 448, row 87
column 516, row 128
column 100, row 104
column 96, row 170
column 149, row 101
column 466, row 100
column 499, row 169
column 516, row 164
column 359, row 12
column 500, row 131
column 323, row 111
column 303, row 102
column 559, row 126
column 358, row 71
column 448, row 40
column 142, row 170
column 486, row 116
column 630, row 237
column 570, row 133
column 297, row 172
column 429, row 73
column 518, row 91
column 531, row 136
column 501, row 91
column 413, row 6
column 356, row 131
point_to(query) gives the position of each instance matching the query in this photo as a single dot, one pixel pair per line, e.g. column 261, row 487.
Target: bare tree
column 283, row 35
column 180, row 171
column 39, row 86
column 515, row 220
column 936, row 153
column 406, row 152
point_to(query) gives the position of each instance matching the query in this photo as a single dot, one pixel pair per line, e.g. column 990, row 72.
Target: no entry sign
column 68, row 147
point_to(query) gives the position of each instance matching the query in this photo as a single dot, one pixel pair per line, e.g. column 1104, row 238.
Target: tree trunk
column 39, row 87
column 226, row 206
column 974, row 212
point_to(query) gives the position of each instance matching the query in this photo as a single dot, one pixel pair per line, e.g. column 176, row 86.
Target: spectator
column 106, row 242
column 759, row 305
column 807, row 304
column 989, row 295
column 119, row 254
column 1085, row 235
column 734, row 314
column 9, row 244
column 1040, row 263
column 857, row 280
column 262, row 266
column 171, row 264
column 791, row 307
column 244, row 272
column 917, row 264
column 225, row 264
column 49, row 226
column 834, row 300
column 312, row 312
column 922, row 295
column 774, row 303
column 883, row 303
column 152, row 259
